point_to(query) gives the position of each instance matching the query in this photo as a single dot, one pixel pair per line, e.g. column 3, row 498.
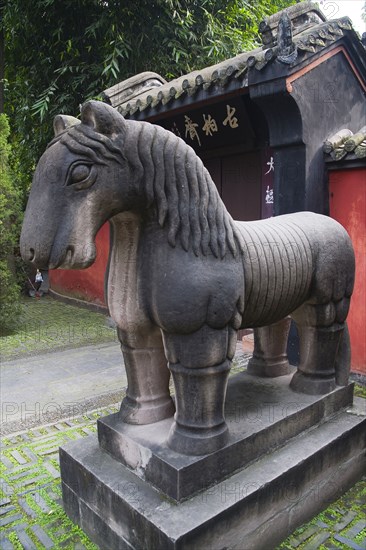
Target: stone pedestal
column 287, row 457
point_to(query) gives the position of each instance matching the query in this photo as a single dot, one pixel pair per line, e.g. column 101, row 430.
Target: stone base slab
column 261, row 415
column 255, row 508
column 275, row 473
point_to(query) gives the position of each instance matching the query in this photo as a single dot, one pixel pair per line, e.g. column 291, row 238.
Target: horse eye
column 81, row 176
column 79, row 173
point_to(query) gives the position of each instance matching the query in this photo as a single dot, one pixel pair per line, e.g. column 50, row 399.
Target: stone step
column 255, row 508
column 261, row 414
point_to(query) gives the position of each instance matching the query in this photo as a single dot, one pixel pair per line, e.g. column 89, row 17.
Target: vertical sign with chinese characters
column 268, row 168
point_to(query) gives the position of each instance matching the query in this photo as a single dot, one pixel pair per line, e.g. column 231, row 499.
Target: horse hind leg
column 147, row 397
column 324, row 347
column 270, row 350
column 343, row 359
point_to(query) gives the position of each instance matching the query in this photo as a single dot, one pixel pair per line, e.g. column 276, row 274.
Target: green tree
column 10, row 215
column 58, row 54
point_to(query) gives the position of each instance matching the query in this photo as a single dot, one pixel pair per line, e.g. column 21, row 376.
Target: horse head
column 77, row 186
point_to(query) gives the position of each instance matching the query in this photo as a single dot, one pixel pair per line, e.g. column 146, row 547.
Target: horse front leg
column 200, row 363
column 270, row 350
column 147, row 397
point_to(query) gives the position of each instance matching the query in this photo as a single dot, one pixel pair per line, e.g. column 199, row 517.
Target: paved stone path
column 31, row 515
column 347, row 532
column 41, row 389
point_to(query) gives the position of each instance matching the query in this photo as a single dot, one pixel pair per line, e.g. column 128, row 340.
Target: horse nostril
column 69, row 253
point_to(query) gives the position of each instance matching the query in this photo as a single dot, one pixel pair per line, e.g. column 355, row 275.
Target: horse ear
column 63, row 122
column 102, row 118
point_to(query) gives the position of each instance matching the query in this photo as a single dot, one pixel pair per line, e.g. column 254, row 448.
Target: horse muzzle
column 34, row 252
column 72, row 257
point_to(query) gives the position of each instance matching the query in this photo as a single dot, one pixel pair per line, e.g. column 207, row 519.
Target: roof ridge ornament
column 345, row 141
column 303, row 15
column 132, row 87
column 287, row 50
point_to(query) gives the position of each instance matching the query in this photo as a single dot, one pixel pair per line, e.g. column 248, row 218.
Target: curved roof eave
column 308, row 43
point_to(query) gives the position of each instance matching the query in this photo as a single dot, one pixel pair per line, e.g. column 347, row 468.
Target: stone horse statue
column 184, row 276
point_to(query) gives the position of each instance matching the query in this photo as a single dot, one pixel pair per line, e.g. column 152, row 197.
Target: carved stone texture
column 269, row 355
column 183, row 275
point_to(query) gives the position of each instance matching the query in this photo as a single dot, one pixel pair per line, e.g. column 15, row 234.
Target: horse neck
column 178, row 191
column 122, row 275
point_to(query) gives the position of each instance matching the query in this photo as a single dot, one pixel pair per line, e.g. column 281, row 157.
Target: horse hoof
column 268, row 369
column 146, row 413
column 311, row 385
column 199, row 441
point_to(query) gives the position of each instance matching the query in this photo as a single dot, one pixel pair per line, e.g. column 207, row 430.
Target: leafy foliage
column 9, row 227
column 60, row 54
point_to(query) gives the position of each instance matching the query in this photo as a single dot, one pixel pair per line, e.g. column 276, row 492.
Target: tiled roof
column 134, row 86
column 307, row 43
column 345, row 143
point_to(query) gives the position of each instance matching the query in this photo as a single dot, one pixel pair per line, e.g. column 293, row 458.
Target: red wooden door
column 348, row 206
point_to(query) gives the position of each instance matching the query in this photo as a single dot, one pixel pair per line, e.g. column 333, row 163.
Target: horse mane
column 174, row 181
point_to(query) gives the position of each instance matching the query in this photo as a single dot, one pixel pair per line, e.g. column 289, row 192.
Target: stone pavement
column 41, row 389
column 31, row 515
column 46, row 388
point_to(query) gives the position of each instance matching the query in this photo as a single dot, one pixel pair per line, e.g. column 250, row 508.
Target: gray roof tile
column 344, row 143
column 312, row 40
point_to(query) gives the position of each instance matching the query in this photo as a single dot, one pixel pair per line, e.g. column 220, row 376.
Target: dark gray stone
column 349, row 543
column 6, row 509
column 287, row 52
column 27, row 509
column 9, row 519
column 18, row 457
column 317, row 541
column 39, row 500
column 24, row 539
column 183, row 275
column 260, row 504
column 355, row 529
column 5, row 543
column 42, row 536
column 183, row 279
column 261, row 415
column 346, row 520
column 269, row 355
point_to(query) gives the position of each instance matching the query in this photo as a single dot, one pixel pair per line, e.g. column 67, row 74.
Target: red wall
column 348, row 206
column 85, row 284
